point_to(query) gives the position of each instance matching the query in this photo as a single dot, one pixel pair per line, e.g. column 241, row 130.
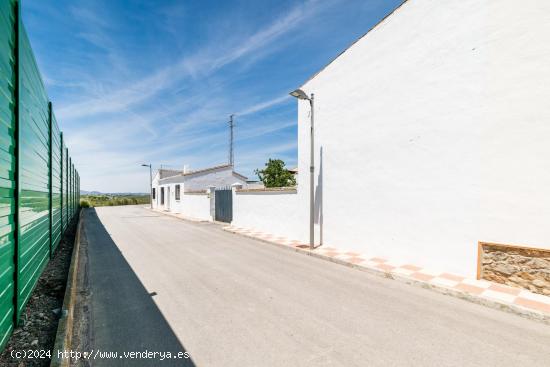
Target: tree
column 275, row 174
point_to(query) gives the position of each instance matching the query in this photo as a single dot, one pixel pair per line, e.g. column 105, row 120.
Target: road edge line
column 63, row 337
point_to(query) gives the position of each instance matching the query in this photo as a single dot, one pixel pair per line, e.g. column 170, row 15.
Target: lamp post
column 150, row 182
column 300, row 94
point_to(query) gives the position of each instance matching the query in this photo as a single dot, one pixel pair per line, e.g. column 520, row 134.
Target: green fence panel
column 73, row 191
column 61, row 180
column 7, row 166
column 34, row 175
column 70, row 189
column 65, row 188
column 56, row 183
column 38, row 181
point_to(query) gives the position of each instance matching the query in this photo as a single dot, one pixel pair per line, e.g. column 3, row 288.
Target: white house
column 186, row 192
column 432, row 133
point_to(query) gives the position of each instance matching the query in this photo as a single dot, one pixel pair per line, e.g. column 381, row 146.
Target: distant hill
column 84, row 192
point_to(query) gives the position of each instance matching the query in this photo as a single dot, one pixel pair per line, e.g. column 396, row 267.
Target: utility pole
column 231, row 125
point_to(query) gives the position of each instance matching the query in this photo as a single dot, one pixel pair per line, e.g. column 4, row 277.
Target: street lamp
column 150, row 181
column 300, row 94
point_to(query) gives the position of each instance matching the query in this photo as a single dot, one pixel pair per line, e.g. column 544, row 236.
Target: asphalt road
column 161, row 284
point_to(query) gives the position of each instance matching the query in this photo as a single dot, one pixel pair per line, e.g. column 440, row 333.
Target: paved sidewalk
column 495, row 295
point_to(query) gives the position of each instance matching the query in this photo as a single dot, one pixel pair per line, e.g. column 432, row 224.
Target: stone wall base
column 515, row 266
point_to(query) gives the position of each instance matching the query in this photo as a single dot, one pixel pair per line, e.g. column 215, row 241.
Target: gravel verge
column 35, row 335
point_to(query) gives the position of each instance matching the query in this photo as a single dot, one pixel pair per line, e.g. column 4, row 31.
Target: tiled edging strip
column 497, row 296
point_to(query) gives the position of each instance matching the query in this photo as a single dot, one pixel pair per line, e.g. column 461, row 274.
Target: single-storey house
column 170, row 187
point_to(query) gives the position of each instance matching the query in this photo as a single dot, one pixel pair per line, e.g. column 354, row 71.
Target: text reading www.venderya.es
column 97, row 354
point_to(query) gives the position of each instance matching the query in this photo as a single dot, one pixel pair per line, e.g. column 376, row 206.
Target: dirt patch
column 82, row 333
column 35, row 335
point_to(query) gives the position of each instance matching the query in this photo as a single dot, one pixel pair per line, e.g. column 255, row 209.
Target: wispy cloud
column 263, row 105
column 156, row 83
column 204, row 62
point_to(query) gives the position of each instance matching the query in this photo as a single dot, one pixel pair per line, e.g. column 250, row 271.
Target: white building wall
column 196, row 206
column 191, row 205
column 432, row 134
column 170, row 202
column 156, row 193
column 273, row 212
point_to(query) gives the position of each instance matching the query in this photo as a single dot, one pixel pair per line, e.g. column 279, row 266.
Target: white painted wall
column 191, row 205
column 432, row 133
column 156, row 193
column 273, row 212
column 196, row 206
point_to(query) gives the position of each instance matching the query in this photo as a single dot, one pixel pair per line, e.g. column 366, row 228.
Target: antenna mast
column 231, row 125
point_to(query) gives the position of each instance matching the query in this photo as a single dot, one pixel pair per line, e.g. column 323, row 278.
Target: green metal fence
column 39, row 185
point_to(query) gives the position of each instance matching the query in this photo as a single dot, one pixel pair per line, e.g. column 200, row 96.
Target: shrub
column 84, row 204
column 275, row 174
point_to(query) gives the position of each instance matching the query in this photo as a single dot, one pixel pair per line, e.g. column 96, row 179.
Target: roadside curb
column 63, row 337
column 494, row 304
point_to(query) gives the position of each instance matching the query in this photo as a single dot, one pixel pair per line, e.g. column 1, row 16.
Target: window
column 162, row 196
column 154, row 192
column 177, row 192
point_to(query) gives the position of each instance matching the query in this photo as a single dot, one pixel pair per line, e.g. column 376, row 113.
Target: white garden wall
column 432, row 134
column 275, row 212
column 196, row 206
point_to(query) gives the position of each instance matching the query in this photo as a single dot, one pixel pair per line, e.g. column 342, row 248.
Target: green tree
column 275, row 174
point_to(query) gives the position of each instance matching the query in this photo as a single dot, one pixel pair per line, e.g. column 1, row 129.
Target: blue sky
column 139, row 81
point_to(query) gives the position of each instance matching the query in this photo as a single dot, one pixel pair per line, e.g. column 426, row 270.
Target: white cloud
column 263, row 105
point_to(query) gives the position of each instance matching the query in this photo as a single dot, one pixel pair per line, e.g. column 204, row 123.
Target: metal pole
column 50, row 177
column 311, row 180
column 151, row 184
column 231, row 140
column 17, row 157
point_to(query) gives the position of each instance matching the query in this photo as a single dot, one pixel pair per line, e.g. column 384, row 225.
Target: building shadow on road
column 122, row 315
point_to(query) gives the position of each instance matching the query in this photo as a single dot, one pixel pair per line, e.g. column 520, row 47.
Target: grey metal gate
column 224, row 205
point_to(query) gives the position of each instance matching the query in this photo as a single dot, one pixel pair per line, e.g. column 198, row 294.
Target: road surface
column 158, row 283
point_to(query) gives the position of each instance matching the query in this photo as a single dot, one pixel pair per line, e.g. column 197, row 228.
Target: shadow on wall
column 124, row 316
column 319, row 198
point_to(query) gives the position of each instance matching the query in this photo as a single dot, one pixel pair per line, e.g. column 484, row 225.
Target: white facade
column 432, row 134
column 193, row 199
